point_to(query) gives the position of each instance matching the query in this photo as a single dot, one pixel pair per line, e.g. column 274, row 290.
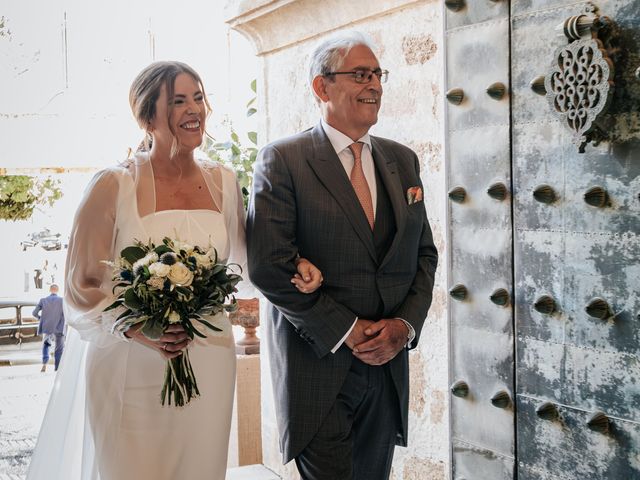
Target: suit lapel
column 325, row 163
column 386, row 167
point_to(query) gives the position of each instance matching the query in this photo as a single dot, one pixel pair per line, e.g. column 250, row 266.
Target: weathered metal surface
column 567, row 228
column 472, row 462
column 566, row 448
column 481, row 312
column 582, row 249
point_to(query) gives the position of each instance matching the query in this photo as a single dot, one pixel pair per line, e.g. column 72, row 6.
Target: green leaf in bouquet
column 153, row 328
column 160, row 249
column 232, row 306
column 207, row 324
column 115, row 304
column 184, row 291
column 128, row 321
column 124, row 314
column 218, row 268
column 132, row 300
column 132, row 254
column 253, row 136
column 194, row 331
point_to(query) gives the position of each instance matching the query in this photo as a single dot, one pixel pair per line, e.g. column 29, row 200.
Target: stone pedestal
column 248, row 317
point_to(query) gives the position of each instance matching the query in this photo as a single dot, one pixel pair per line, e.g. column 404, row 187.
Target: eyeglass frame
column 381, row 74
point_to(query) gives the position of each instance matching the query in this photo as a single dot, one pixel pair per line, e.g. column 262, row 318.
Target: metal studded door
column 543, row 151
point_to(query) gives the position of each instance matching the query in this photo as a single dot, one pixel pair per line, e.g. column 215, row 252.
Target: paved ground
column 24, row 392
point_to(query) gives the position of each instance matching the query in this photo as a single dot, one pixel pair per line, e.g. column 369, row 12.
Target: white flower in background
column 174, row 317
column 180, row 274
column 156, row 283
column 203, row 260
column 178, row 245
column 159, row 269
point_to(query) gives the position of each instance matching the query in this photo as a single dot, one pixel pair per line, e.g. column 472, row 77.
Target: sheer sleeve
column 235, row 217
column 88, row 279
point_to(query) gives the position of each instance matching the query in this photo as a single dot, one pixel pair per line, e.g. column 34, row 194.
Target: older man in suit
column 51, row 316
column 352, row 204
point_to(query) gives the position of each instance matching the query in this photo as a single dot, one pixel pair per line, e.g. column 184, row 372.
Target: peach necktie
column 359, row 182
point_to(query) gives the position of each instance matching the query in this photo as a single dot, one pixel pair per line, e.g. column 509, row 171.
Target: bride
column 104, row 420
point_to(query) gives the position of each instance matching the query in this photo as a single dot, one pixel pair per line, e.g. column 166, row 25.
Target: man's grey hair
column 330, row 54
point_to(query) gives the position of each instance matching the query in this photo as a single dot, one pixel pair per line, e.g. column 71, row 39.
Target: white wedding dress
column 104, row 420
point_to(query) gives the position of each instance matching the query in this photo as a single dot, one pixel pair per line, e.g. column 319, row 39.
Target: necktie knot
column 356, row 149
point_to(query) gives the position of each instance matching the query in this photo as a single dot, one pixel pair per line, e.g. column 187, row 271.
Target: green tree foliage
column 238, row 154
column 21, row 194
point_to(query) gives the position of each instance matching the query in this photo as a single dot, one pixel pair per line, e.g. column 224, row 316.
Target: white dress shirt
column 340, row 143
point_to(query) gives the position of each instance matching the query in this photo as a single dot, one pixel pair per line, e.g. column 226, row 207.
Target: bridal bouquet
column 170, row 283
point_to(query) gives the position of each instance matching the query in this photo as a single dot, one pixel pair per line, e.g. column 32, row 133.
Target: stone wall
column 409, row 38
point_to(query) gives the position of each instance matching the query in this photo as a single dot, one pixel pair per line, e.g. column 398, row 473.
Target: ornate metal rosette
column 580, row 83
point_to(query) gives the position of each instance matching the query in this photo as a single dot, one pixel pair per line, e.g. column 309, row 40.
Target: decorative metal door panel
column 481, row 241
column 564, row 138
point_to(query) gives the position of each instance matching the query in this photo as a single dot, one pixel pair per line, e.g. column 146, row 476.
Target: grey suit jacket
column 303, row 203
column 52, row 317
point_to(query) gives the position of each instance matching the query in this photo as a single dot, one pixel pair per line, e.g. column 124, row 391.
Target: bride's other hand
column 309, row 277
column 169, row 345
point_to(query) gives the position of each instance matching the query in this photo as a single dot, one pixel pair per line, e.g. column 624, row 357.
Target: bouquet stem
column 180, row 384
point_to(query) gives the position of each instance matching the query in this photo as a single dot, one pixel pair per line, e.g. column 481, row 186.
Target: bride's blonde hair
column 145, row 91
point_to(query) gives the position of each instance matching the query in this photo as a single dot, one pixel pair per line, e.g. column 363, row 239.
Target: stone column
column 409, row 38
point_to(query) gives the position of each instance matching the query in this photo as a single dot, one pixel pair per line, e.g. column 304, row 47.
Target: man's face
column 348, row 106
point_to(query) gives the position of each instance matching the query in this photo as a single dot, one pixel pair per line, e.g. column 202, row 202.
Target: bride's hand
column 169, row 345
column 309, row 277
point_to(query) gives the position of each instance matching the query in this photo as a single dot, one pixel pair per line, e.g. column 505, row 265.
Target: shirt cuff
column 339, row 344
column 412, row 333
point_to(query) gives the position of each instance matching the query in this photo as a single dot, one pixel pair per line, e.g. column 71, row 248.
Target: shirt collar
column 339, row 141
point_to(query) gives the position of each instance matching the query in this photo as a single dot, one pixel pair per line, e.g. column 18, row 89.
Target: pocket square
column 414, row 195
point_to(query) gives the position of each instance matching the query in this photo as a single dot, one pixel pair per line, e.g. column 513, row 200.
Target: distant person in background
column 51, row 317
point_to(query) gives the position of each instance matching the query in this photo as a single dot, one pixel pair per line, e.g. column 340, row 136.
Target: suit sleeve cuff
column 342, row 340
column 412, row 333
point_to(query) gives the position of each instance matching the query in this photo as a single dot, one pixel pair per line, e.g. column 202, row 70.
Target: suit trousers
column 357, row 438
column 49, row 338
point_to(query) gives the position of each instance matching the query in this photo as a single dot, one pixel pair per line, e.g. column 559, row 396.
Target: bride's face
column 187, row 118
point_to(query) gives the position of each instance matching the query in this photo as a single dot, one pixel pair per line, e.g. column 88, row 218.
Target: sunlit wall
column 65, row 71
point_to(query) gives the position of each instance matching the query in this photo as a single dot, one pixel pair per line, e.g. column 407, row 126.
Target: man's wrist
column 411, row 333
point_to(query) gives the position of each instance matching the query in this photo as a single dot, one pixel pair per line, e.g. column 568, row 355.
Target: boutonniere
column 414, row 195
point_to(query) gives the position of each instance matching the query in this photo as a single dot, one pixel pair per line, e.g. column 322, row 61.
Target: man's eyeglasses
column 364, row 75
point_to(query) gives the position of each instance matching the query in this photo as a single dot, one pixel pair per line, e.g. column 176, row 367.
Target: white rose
column 159, row 269
column 180, row 274
column 174, row 317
